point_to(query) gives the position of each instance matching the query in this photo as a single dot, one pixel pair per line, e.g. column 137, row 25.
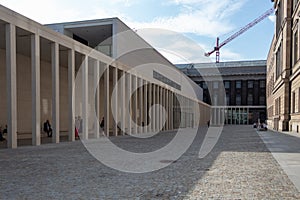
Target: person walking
column 47, row 128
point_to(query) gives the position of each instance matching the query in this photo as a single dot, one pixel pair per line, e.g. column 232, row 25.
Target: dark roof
column 237, row 68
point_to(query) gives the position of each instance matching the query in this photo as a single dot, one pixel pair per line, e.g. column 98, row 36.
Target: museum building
column 75, row 74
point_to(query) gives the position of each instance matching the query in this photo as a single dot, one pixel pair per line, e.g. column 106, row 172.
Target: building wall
column 283, row 81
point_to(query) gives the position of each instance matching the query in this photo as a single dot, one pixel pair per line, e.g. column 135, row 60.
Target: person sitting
column 47, row 128
column 1, row 135
column 254, row 125
column 102, row 123
column 5, row 130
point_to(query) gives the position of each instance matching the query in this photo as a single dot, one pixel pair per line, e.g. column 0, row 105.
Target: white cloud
column 228, row 55
column 204, row 17
column 178, row 48
column 61, row 11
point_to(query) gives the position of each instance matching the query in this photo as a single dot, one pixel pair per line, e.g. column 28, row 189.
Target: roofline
column 85, row 21
column 243, row 63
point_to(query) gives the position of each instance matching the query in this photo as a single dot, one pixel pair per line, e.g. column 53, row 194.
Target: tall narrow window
column 279, row 106
column 278, row 18
column 250, row 99
column 227, row 84
column 227, row 99
column 293, row 102
column 238, row 99
column 250, row 84
column 278, row 61
column 216, row 84
column 238, row 84
column 262, row 100
column 215, row 99
column 295, row 48
column 262, row 83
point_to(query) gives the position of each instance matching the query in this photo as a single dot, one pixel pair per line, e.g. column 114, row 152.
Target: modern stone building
column 236, row 90
column 283, row 81
column 85, row 71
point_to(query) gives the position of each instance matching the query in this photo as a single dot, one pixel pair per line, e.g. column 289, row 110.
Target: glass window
column 250, row 99
column 250, row 84
column 262, row 100
column 216, row 85
column 227, row 84
column 293, row 102
column 227, row 99
column 295, row 49
column 279, row 61
column 215, row 99
column 238, row 84
column 238, row 99
column 204, row 85
column 262, row 84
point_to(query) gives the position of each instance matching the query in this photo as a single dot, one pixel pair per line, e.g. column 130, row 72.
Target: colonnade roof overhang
column 26, row 27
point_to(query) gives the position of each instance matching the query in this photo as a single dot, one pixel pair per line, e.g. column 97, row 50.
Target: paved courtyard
column 239, row 167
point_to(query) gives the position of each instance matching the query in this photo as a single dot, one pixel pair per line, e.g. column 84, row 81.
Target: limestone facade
column 283, row 86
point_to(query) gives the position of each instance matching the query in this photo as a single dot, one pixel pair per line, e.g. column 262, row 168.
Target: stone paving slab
column 239, row 167
column 286, row 150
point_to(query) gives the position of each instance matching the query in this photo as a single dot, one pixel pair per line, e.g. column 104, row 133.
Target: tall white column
column 106, row 101
column 55, row 91
column 157, row 109
column 162, row 105
column 115, row 114
column 11, row 75
column 150, row 104
column 145, row 106
column 71, row 94
column 129, row 105
column 85, row 100
column 123, row 106
column 167, row 110
column 160, row 110
column 135, row 104
column 97, row 97
column 172, row 111
column 141, row 120
column 35, row 87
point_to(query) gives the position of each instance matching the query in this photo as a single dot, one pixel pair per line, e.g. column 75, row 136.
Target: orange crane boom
column 238, row 33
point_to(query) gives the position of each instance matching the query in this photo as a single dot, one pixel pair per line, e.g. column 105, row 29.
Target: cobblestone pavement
column 239, row 167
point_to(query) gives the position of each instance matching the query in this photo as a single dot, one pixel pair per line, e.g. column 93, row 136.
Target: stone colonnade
column 99, row 75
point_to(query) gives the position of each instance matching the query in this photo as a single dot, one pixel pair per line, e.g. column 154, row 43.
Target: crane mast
column 238, row 33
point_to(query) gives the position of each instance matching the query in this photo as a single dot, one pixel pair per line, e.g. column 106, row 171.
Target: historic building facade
column 75, row 74
column 283, row 81
column 236, row 90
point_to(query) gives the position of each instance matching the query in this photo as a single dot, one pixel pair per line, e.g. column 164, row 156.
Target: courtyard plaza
column 240, row 166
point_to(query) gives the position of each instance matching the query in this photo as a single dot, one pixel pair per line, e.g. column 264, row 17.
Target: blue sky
column 199, row 20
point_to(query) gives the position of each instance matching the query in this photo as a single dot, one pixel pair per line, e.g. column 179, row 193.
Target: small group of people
column 260, row 126
column 2, row 132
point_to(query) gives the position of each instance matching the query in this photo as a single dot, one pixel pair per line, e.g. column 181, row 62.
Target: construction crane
column 238, row 33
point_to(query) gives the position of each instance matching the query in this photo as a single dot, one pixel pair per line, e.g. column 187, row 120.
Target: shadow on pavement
column 239, row 167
